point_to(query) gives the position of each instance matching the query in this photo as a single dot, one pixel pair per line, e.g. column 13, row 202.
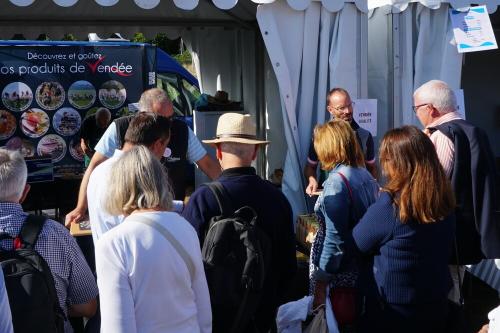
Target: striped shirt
column 74, row 281
column 445, row 148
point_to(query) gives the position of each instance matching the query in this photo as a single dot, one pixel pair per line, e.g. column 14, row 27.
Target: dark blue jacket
column 474, row 182
column 274, row 213
column 410, row 263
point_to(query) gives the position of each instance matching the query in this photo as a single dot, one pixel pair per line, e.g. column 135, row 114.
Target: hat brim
column 237, row 140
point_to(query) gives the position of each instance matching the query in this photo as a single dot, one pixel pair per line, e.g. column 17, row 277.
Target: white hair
column 13, row 175
column 151, row 97
column 439, row 94
column 138, row 181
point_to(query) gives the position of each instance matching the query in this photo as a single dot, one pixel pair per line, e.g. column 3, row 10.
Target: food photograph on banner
column 47, row 92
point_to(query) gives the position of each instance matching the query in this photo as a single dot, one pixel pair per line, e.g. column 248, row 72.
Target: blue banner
column 48, row 90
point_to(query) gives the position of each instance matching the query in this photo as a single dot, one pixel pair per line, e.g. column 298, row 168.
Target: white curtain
column 311, row 51
column 423, row 48
column 226, row 56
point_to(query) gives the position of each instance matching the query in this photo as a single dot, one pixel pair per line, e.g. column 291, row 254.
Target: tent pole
column 260, row 113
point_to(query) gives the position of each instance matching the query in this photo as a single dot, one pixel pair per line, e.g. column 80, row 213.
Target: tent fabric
column 418, row 35
column 330, row 5
column 401, row 5
column 310, row 51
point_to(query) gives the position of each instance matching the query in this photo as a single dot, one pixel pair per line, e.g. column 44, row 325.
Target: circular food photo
column 25, row 146
column 66, row 121
column 52, row 145
column 17, row 96
column 112, row 94
column 76, row 150
column 35, row 123
column 81, row 94
column 7, row 124
column 50, row 95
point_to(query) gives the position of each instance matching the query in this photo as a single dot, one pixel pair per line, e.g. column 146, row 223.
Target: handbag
column 318, row 324
column 343, row 301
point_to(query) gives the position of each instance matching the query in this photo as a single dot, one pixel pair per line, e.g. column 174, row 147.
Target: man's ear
column 254, row 156
column 26, row 190
column 434, row 112
column 218, row 151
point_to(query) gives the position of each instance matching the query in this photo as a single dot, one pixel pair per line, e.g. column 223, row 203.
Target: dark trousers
column 397, row 318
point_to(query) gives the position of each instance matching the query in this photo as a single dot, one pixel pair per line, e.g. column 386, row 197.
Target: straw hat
column 236, row 127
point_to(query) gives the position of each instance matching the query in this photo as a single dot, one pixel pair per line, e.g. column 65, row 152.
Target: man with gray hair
column 236, row 147
column 184, row 147
column 466, row 156
column 74, row 282
column 147, row 129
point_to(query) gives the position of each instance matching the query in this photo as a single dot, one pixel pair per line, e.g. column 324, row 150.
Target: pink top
column 445, row 148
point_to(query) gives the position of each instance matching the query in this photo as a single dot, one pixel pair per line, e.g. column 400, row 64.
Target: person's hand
column 312, row 187
column 484, row 329
column 75, row 216
column 319, row 297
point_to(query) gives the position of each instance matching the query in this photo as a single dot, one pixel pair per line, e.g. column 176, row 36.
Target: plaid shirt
column 74, row 281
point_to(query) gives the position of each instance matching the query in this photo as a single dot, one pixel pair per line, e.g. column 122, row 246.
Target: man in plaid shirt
column 75, row 284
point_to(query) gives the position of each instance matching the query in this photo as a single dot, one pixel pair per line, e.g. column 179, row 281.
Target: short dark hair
column 145, row 128
column 334, row 91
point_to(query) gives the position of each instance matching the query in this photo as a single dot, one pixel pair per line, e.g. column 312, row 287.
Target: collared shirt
column 5, row 315
column 74, row 281
column 100, row 220
column 109, row 143
column 445, row 148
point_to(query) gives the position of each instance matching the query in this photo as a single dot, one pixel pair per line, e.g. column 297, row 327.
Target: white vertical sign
column 365, row 114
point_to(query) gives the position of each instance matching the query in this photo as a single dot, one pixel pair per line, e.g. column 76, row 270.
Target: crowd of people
column 388, row 255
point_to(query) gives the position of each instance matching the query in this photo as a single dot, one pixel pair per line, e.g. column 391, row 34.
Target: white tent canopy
column 312, row 46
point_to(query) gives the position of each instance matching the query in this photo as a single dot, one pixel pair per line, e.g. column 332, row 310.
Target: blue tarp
column 165, row 63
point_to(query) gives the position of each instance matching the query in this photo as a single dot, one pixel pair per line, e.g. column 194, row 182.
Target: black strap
column 30, row 230
column 220, row 193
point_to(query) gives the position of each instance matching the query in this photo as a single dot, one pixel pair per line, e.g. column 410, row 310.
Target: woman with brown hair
column 409, row 232
column 347, row 193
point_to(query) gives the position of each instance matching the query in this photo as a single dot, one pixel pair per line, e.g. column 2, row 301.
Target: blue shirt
column 5, row 315
column 109, row 143
column 74, row 281
column 340, row 213
column 410, row 259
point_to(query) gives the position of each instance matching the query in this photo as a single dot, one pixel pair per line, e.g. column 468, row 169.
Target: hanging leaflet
column 365, row 114
column 472, row 30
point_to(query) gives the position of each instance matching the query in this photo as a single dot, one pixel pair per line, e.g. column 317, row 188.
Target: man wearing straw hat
column 236, row 147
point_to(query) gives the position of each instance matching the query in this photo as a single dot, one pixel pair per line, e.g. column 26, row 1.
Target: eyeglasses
column 343, row 108
column 415, row 108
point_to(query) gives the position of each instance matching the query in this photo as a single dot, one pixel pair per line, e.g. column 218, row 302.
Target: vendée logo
column 117, row 68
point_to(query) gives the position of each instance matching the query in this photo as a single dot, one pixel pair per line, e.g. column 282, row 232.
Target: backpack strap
column 30, row 231
column 220, row 193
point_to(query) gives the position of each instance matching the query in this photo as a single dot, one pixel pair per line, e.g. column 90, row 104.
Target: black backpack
column 29, row 283
column 236, row 254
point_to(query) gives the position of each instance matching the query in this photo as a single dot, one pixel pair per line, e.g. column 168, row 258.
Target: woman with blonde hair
column 149, row 268
column 347, row 193
column 409, row 232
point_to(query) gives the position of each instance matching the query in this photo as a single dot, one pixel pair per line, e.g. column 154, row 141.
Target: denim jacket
column 340, row 214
